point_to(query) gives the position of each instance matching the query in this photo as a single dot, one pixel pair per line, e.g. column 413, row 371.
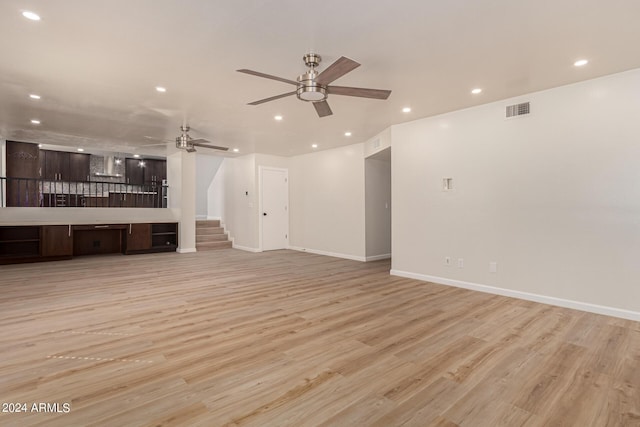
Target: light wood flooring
column 293, row 339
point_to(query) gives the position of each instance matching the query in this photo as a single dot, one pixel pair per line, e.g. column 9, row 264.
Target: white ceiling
column 96, row 63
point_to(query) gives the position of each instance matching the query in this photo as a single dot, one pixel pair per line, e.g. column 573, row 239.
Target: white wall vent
column 518, row 109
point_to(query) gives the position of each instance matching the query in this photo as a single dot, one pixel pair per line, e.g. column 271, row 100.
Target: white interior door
column 274, row 215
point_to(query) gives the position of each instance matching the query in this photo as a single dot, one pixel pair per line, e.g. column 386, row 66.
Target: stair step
column 211, row 237
column 208, row 223
column 200, row 231
column 205, row 246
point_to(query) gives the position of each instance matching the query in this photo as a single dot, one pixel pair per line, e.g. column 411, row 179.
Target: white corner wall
column 207, row 167
column 215, row 194
column 327, row 203
column 553, row 198
column 241, row 202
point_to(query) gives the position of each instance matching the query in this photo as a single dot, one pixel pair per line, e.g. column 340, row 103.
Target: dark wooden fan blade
column 215, row 147
column 267, row 76
column 359, row 91
column 322, row 108
column 273, row 98
column 336, row 70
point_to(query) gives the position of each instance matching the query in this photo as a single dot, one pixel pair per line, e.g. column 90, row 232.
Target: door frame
column 261, row 169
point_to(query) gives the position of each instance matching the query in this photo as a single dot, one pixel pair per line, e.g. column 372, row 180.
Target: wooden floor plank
column 287, row 338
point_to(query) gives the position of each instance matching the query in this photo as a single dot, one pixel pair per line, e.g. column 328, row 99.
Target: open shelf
column 19, row 242
column 164, row 236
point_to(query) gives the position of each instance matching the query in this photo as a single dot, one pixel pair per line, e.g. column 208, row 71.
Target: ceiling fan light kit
column 185, row 142
column 313, row 86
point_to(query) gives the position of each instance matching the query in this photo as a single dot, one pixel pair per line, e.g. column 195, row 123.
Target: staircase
column 209, row 235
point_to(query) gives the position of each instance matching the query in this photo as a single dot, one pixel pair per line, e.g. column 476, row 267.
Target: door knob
column 264, row 214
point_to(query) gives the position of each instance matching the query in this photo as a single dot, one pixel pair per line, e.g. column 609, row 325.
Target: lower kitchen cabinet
column 57, row 241
column 138, row 238
column 36, row 243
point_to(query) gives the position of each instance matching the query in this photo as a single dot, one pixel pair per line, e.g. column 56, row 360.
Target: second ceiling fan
column 313, row 86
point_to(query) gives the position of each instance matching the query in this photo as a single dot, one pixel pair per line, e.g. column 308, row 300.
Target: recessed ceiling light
column 34, row 96
column 278, row 117
column 476, row 91
column 235, row 150
column 136, row 155
column 581, row 63
column 406, row 110
column 314, row 145
column 35, row 122
column 39, row 145
column 81, row 149
column 347, row 134
column 161, row 89
column 31, row 15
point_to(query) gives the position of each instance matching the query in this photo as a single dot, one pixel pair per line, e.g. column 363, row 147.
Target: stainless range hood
column 108, row 170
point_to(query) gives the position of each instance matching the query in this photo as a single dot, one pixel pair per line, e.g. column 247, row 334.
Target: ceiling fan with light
column 314, row 86
column 185, row 142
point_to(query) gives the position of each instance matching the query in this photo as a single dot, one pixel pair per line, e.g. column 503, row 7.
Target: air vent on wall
column 518, row 109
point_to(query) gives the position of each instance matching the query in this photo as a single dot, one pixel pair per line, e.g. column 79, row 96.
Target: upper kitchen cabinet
column 134, row 170
column 147, row 171
column 64, row 166
column 155, row 171
column 79, row 169
column 23, row 166
column 55, row 164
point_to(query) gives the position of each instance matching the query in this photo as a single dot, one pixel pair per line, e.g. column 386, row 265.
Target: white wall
column 181, row 176
column 241, row 202
column 377, row 171
column 553, row 198
column 327, row 202
column 378, row 143
column 241, row 215
column 206, row 169
column 3, row 157
column 215, row 194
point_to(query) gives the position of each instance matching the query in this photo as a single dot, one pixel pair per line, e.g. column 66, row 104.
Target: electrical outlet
column 493, row 267
column 460, row 263
column 447, row 260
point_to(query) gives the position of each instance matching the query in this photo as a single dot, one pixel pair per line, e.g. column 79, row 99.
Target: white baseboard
column 186, row 250
column 200, row 217
column 378, row 257
column 245, row 248
column 325, row 253
column 213, row 218
column 577, row 305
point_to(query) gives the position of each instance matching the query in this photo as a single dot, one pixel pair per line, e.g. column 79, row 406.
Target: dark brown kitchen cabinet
column 56, row 165
column 19, row 244
column 138, row 238
column 145, row 171
column 64, row 166
column 134, row 170
column 23, row 162
column 56, row 241
column 164, row 237
column 34, row 243
column 155, row 171
column 78, row 167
